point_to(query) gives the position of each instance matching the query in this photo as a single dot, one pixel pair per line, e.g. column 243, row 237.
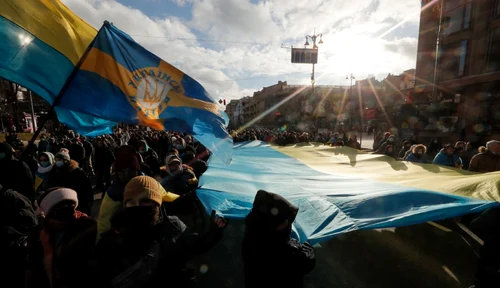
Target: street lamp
column 313, row 39
column 350, row 77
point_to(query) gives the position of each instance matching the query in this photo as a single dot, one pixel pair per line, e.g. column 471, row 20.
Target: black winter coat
column 72, row 177
column 18, row 220
column 15, row 175
column 116, row 252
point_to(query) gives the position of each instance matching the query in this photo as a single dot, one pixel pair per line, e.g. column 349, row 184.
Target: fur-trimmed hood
column 73, row 165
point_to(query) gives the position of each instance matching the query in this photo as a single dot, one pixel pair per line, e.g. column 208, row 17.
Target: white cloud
column 180, row 3
column 245, row 38
column 235, row 20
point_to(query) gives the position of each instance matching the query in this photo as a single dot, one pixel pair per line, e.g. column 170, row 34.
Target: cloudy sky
column 233, row 47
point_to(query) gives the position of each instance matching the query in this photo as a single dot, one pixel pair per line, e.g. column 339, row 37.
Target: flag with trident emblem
column 119, row 80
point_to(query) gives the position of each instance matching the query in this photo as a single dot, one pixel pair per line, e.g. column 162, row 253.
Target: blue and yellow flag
column 339, row 189
column 121, row 81
column 41, row 43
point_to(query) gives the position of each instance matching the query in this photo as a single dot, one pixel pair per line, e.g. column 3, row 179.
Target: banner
column 339, row 189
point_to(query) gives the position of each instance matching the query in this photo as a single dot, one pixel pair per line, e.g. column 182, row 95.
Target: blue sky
column 160, row 8
column 233, row 47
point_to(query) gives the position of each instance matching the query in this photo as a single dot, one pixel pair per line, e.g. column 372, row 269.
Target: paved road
column 420, row 256
column 367, row 141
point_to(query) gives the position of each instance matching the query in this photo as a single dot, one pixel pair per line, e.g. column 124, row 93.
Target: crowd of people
column 461, row 155
column 150, row 223
column 148, row 226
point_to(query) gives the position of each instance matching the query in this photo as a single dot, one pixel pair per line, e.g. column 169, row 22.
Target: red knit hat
column 126, row 158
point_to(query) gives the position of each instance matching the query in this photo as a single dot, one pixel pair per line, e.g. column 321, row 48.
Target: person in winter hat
column 178, row 178
column 271, row 257
column 126, row 167
column 67, row 173
column 61, row 251
column 146, row 248
column 46, row 161
column 190, row 159
column 150, row 158
column 447, row 157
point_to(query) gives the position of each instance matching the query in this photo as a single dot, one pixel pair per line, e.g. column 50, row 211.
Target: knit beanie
column 143, row 187
column 54, row 196
column 126, row 158
column 63, row 154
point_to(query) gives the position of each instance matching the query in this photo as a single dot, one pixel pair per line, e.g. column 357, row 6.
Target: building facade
column 230, row 111
column 15, row 107
column 463, row 82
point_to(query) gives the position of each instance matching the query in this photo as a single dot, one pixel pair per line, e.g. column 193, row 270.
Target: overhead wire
column 253, row 78
column 233, row 42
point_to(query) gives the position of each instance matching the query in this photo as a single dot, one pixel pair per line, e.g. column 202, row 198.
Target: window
column 453, row 60
column 457, row 16
column 494, row 50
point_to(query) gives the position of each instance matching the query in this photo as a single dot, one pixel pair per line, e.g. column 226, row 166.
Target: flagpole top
column 107, row 23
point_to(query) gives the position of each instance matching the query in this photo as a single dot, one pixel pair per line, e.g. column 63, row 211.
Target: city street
column 420, row 256
column 366, row 141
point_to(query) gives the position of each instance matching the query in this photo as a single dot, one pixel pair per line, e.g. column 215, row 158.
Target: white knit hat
column 55, row 197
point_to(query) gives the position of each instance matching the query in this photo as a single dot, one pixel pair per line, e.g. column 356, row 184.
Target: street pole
column 33, row 121
column 312, row 79
column 313, row 38
column 350, row 88
column 435, row 79
column 351, row 77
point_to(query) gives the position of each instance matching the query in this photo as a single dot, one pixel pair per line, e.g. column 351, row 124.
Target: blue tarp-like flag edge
column 328, row 204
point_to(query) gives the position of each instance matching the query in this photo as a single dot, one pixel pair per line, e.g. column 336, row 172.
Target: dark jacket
column 181, row 183
column 117, row 251
column 14, row 174
column 89, row 149
column 72, row 176
column 485, row 162
column 43, row 146
column 103, row 158
column 381, row 148
column 151, row 160
column 71, row 250
column 77, row 152
column 271, row 258
column 18, row 220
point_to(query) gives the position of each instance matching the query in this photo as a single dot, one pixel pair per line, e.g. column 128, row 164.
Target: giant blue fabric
column 121, row 81
column 329, row 204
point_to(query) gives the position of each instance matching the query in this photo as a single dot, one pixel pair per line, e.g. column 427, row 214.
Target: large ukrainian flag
column 41, row 42
column 121, row 81
column 339, row 189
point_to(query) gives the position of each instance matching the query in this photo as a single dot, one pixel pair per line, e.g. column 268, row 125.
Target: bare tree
column 9, row 100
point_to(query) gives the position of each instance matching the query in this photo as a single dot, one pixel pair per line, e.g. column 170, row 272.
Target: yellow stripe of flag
column 51, row 22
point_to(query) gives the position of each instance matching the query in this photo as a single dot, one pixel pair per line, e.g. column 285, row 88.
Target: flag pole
column 57, row 99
